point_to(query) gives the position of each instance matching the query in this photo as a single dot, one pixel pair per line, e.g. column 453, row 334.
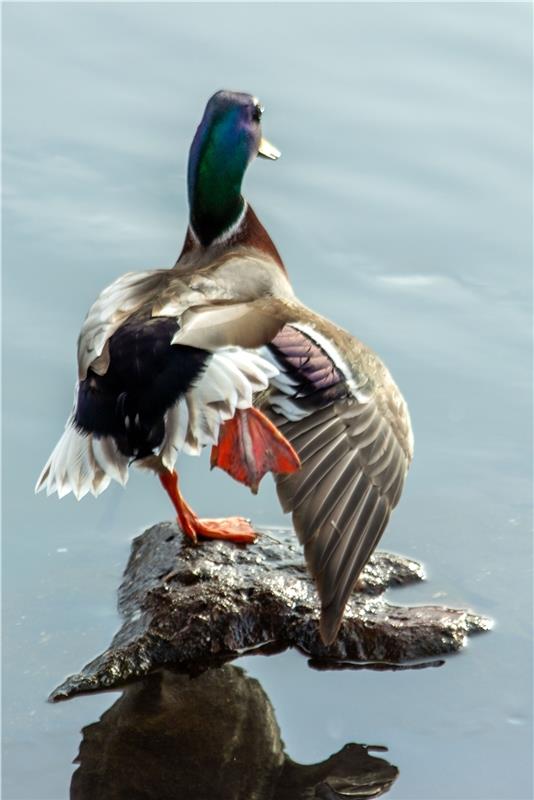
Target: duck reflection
column 211, row 737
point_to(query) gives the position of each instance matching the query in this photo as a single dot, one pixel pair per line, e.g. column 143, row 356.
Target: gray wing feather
column 353, row 468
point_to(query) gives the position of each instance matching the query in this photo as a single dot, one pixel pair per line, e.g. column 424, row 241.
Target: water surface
column 402, row 207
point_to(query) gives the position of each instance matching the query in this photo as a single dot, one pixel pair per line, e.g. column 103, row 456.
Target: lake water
column 402, row 207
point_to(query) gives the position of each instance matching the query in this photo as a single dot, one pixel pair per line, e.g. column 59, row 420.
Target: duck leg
column 233, row 529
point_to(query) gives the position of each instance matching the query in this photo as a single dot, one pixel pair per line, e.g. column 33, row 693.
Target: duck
column 217, row 351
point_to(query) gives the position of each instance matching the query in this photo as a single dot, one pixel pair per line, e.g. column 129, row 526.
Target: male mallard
column 217, row 350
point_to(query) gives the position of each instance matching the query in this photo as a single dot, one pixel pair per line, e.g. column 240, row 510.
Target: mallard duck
column 217, row 350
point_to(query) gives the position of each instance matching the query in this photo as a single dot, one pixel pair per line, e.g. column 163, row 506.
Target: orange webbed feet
column 249, row 446
column 230, row 529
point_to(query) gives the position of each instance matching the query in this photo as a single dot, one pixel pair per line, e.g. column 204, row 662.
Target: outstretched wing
column 338, row 406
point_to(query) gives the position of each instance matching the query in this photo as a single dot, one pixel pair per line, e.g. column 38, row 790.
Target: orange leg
column 233, row 529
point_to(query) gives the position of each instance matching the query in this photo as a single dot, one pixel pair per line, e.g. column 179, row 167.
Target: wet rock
column 222, row 600
column 211, row 736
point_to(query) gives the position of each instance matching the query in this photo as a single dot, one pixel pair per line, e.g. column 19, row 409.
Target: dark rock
column 214, row 736
column 222, row 600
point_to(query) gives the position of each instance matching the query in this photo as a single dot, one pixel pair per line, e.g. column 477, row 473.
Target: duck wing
column 237, row 299
column 338, row 406
column 116, row 303
column 249, row 324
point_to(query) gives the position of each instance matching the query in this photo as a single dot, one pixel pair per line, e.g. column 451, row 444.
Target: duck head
column 227, row 140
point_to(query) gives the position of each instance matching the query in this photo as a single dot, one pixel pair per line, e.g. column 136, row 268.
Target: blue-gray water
column 402, row 207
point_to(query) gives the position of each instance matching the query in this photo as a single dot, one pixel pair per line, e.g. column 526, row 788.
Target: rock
column 223, row 600
column 211, row 736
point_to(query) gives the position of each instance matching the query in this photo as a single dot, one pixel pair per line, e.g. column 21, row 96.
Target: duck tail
column 81, row 464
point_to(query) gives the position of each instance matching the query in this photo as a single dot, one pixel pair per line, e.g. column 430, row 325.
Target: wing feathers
column 311, row 477
column 113, row 306
column 330, row 530
column 353, row 463
column 338, row 488
column 316, row 440
column 249, row 324
column 231, row 379
column 365, row 543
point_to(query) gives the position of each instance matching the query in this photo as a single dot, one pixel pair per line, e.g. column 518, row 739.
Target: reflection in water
column 213, row 736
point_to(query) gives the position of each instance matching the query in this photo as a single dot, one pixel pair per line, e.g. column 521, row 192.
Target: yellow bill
column 268, row 150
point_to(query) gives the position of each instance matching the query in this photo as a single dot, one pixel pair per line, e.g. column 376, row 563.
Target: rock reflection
column 211, row 737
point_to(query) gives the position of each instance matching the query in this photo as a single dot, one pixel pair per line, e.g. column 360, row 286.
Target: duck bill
column 268, row 150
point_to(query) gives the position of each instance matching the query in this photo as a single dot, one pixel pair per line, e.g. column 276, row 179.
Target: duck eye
column 257, row 111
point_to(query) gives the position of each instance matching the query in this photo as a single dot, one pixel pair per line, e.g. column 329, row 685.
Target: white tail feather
column 74, row 466
column 112, row 462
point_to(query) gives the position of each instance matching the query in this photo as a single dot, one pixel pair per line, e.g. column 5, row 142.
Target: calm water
column 402, row 208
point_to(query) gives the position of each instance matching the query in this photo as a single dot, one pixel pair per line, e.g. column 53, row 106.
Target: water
column 402, row 207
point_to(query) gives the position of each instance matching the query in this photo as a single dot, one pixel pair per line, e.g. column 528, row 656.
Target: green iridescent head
column 226, row 141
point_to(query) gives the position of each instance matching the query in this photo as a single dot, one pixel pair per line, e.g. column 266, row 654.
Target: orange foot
column 232, row 529
column 249, row 446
